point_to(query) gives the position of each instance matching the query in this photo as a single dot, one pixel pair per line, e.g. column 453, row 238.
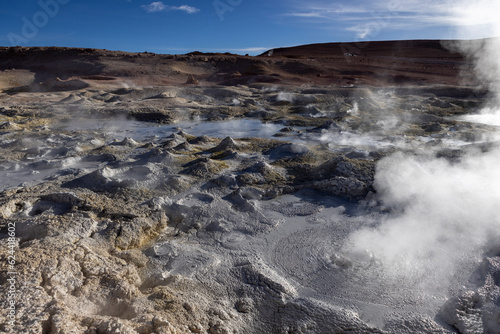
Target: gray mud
column 228, row 210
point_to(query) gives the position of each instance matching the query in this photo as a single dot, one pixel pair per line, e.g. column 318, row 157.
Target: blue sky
column 238, row 26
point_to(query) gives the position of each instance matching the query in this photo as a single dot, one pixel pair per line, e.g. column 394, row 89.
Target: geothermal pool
column 49, row 153
column 236, row 128
column 317, row 229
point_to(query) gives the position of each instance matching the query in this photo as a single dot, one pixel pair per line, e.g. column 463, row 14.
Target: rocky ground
column 133, row 215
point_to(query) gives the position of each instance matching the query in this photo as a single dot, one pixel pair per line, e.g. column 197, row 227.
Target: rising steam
column 444, row 215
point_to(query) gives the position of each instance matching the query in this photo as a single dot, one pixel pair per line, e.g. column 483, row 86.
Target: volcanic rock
column 191, row 80
column 227, row 143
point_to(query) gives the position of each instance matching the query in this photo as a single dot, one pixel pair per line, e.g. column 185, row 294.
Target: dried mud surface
column 145, row 204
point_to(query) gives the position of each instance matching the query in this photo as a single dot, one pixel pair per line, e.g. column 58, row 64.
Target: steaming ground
column 252, row 209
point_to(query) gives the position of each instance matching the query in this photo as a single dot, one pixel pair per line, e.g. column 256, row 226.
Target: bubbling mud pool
column 236, row 128
column 288, row 258
column 301, row 245
column 46, row 154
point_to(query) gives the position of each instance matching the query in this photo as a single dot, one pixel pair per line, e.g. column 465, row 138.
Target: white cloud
column 159, row 6
column 363, row 31
column 249, row 50
column 309, row 14
column 368, row 18
column 185, row 8
column 154, row 7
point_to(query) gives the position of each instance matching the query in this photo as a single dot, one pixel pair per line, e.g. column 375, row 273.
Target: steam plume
column 444, row 215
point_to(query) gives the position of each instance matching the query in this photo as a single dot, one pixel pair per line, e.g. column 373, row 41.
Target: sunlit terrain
column 216, row 193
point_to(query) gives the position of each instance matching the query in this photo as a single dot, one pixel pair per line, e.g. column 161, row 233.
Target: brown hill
column 393, row 63
column 405, row 49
